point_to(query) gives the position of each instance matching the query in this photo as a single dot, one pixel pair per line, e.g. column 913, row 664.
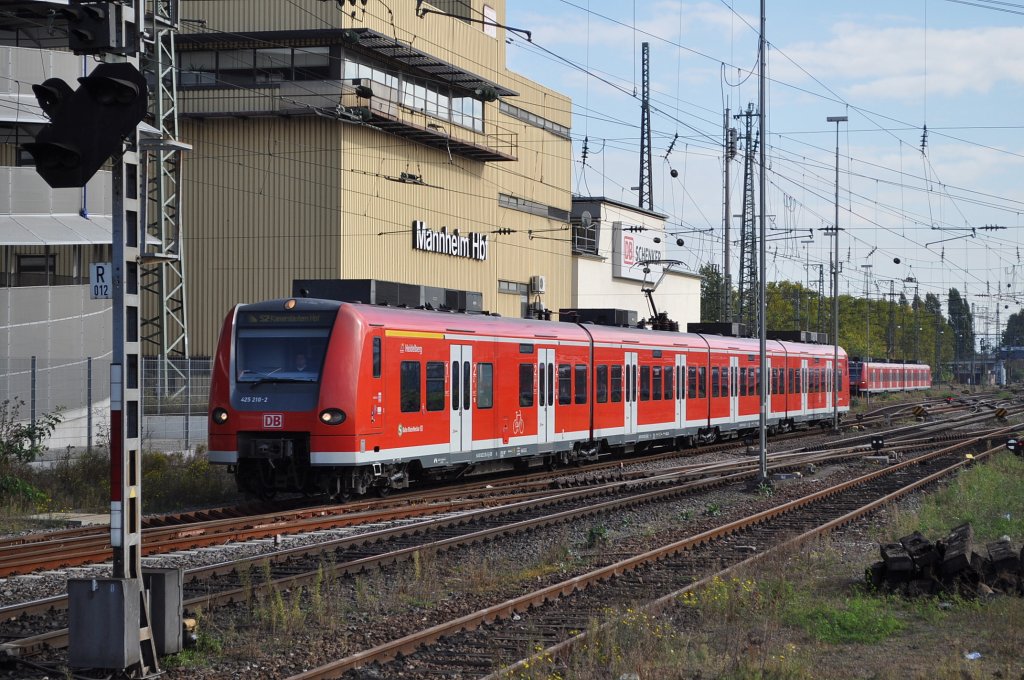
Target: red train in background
column 387, row 396
column 873, row 377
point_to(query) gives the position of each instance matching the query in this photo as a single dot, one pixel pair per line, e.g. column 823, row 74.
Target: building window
column 36, row 270
column 248, row 66
column 584, row 239
column 457, row 8
column 490, row 21
column 534, row 120
column 520, row 289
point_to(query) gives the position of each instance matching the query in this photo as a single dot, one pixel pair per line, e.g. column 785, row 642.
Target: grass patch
column 861, row 619
column 990, row 496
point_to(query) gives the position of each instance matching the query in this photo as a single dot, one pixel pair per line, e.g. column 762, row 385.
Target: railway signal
column 1015, row 446
column 87, row 126
column 877, row 443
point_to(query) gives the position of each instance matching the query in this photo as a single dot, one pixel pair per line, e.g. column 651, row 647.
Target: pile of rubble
column 916, row 566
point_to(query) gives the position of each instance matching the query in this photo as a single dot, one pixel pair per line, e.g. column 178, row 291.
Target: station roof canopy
column 54, row 230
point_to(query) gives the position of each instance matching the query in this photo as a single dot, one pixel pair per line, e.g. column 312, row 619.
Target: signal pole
column 111, row 625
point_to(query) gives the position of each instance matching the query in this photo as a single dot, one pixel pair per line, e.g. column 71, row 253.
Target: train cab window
column 376, row 357
column 435, row 386
column 526, row 384
column 564, row 384
column 409, row 373
column 581, row 383
column 691, row 382
column 601, row 383
column 656, row 387
column 715, row 384
column 616, row 384
column 484, row 385
column 668, row 382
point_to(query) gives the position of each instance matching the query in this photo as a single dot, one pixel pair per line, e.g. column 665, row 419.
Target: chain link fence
column 175, row 394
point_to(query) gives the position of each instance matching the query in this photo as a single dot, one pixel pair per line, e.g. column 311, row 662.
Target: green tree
column 1013, row 336
column 711, row 287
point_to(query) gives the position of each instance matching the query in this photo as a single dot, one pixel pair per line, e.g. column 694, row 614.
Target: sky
column 930, row 160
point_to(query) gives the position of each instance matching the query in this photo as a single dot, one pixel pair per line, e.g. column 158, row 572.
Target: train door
column 803, row 386
column 680, row 390
column 462, row 397
column 545, row 395
column 830, row 385
column 732, row 385
column 630, row 400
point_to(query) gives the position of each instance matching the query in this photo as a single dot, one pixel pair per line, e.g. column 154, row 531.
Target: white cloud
column 899, row 63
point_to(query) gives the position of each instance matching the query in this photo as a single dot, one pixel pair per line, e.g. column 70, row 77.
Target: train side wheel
column 383, row 491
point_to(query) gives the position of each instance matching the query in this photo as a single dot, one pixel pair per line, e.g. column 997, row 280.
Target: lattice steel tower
column 164, row 323
column 747, row 312
column 646, row 184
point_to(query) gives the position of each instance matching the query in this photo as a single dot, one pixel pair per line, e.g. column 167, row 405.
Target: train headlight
column 219, row 416
column 332, row 416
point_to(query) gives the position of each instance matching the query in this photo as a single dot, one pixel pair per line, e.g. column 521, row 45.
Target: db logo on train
column 273, row 421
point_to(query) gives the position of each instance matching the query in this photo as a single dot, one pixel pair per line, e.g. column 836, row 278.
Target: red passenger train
column 389, row 396
column 872, row 377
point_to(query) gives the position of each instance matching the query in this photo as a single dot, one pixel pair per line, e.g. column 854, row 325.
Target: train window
column 839, row 381
column 757, row 381
column 551, row 385
column 376, row 357
column 564, row 384
column 466, row 395
column 409, row 373
column 656, row 387
column 775, row 381
column 601, row 383
column 715, row 387
column 541, row 392
column 668, row 382
column 526, row 348
column 616, row 383
column 484, row 385
column 702, row 383
column 581, row 383
column 680, row 386
column 456, row 385
column 743, row 381
column 645, row 383
column 526, row 384
column 792, row 381
column 435, row 385
column 691, row 381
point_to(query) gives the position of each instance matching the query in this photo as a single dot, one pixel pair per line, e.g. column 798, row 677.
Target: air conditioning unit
column 538, row 285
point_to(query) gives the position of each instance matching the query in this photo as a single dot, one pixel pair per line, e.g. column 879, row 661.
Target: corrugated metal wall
column 273, row 199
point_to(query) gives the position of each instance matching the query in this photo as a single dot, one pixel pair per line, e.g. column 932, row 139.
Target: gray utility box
column 103, row 622
column 165, row 602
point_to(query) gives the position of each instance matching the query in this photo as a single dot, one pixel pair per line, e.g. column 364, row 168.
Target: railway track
column 547, row 623
column 186, row 531
column 225, row 583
